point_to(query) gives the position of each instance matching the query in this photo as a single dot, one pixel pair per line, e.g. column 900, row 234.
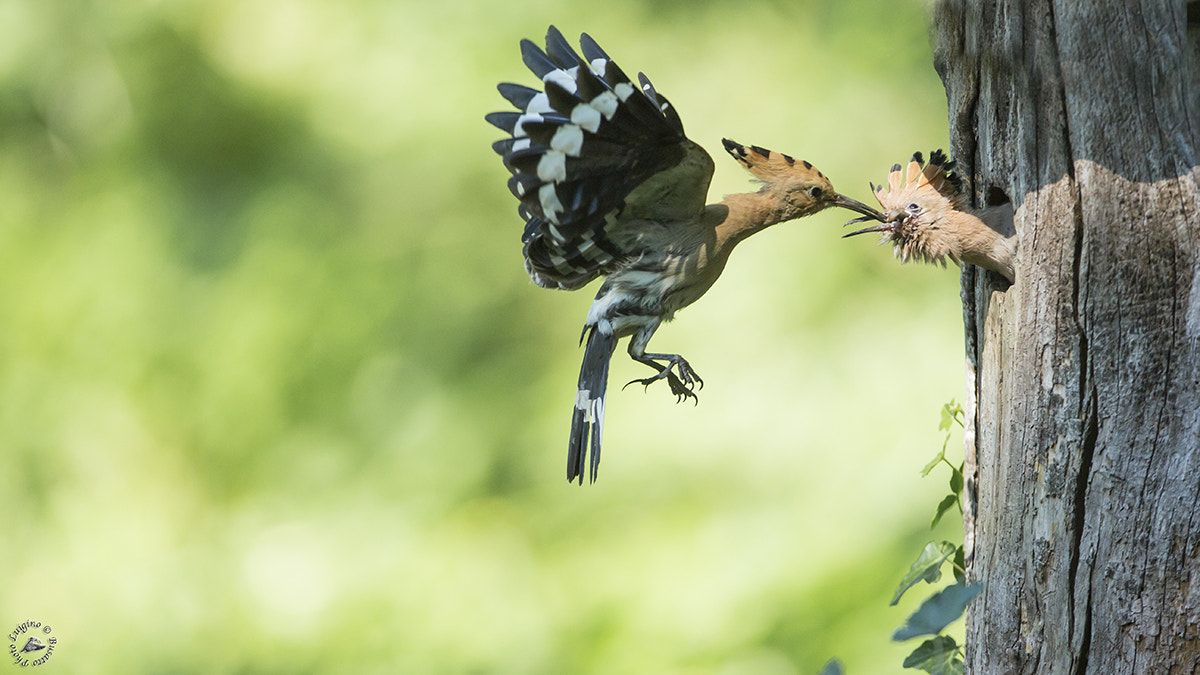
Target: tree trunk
column 1082, row 508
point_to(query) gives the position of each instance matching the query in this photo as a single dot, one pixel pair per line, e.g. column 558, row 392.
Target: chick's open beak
column 889, row 220
column 858, row 207
column 882, row 227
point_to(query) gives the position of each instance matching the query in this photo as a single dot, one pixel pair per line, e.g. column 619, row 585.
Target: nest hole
column 995, row 196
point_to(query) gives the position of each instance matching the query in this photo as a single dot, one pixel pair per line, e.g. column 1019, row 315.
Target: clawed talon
column 683, row 385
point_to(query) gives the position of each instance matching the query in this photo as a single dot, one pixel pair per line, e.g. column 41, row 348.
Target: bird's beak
column 882, row 227
column 858, row 207
column 889, row 222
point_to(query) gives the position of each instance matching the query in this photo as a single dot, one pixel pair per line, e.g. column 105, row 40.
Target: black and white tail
column 587, row 420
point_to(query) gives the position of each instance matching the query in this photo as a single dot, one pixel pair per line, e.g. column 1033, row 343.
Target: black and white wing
column 578, row 148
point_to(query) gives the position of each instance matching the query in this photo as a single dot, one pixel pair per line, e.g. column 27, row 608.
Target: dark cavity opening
column 995, row 196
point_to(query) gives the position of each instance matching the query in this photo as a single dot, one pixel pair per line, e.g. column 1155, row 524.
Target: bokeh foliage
column 276, row 395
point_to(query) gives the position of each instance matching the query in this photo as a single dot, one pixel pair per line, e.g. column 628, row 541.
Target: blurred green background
column 276, row 395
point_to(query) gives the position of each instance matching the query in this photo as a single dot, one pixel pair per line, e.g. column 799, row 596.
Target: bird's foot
column 683, row 385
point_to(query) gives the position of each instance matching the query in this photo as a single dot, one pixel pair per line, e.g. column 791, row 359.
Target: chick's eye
column 914, row 208
column 815, row 192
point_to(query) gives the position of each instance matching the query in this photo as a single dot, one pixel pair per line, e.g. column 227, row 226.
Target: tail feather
column 587, row 420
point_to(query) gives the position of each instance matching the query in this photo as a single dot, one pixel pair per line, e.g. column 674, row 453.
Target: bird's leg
column 682, row 384
column 678, row 373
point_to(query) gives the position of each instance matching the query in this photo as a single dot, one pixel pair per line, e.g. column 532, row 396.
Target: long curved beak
column 882, row 227
column 857, row 207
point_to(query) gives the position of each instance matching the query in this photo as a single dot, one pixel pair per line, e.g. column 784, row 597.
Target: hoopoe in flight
column 610, row 186
column 925, row 218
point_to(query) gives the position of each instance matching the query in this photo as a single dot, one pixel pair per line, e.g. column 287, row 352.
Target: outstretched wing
column 578, row 148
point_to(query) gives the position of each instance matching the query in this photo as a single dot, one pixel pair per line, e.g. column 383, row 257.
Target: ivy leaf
column 834, row 667
column 927, row 568
column 960, row 565
column 939, row 611
column 936, row 656
column 943, row 507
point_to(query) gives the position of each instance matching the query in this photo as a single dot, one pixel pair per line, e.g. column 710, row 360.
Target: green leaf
column 936, row 656
column 939, row 611
column 927, row 568
column 947, row 418
column 950, row 414
column 934, row 462
column 960, row 565
column 956, row 481
column 943, row 507
column 834, row 667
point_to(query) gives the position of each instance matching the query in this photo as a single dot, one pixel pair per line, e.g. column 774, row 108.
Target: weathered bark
column 1083, row 383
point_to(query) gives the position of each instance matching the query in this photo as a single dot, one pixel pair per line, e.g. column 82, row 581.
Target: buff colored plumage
column 610, row 186
column 926, row 219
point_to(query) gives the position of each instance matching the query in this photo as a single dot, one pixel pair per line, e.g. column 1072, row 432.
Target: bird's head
column 802, row 188
column 916, row 203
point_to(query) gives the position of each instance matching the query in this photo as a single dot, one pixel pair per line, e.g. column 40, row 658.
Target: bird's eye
column 815, row 192
column 914, row 208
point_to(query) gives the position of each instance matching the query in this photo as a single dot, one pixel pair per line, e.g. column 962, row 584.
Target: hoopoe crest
column 609, row 186
column 926, row 219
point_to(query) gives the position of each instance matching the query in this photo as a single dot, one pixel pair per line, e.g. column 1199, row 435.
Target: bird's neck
column 978, row 240
column 748, row 213
column 725, row 225
column 984, row 244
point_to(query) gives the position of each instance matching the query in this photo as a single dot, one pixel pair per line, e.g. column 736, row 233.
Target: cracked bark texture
column 1082, row 515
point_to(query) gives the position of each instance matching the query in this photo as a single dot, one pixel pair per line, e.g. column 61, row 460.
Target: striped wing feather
column 577, row 149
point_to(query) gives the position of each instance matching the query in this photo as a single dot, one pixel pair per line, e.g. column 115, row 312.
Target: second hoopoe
column 610, row 186
column 925, row 218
